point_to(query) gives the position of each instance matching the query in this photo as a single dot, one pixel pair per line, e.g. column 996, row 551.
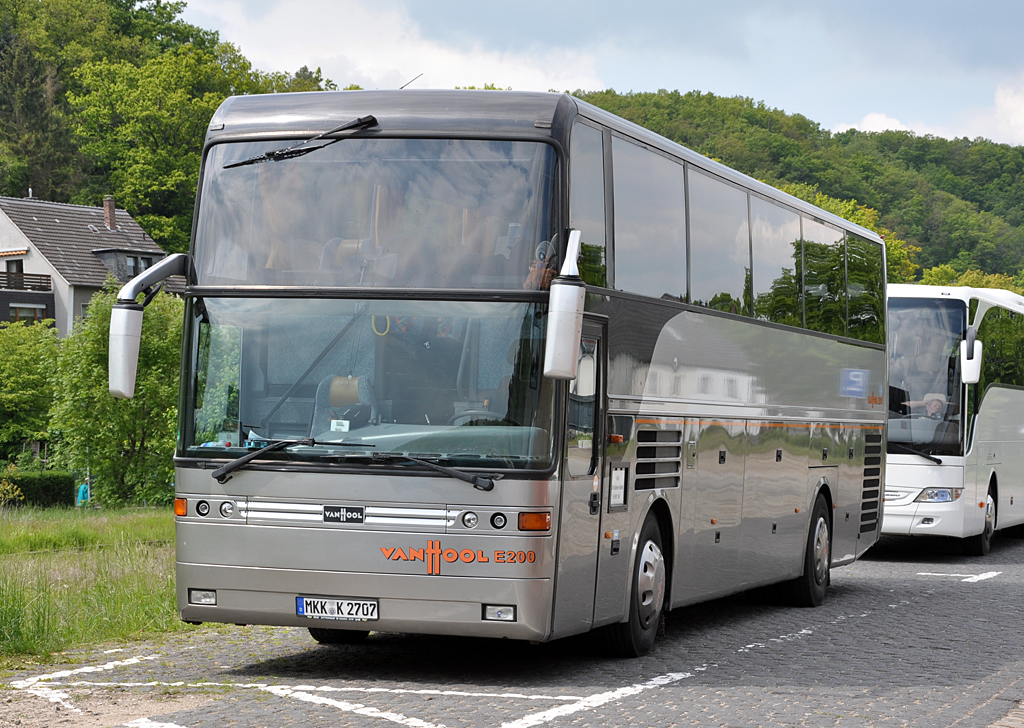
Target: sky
column 950, row 69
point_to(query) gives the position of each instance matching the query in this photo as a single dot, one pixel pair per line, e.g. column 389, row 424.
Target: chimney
column 108, row 212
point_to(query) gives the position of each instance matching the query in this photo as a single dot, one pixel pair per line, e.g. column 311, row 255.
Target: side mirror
column 565, row 316
column 970, row 358
column 126, row 325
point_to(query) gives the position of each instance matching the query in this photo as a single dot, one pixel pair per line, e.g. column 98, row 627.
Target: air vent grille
column 658, row 459
column 869, row 503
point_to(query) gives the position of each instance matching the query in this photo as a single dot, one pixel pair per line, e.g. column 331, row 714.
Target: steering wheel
column 486, row 414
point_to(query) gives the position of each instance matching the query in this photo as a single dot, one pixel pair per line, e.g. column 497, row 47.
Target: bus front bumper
column 407, row 603
column 903, row 516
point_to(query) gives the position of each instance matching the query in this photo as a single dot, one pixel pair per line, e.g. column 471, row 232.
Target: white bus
column 395, row 417
column 955, row 452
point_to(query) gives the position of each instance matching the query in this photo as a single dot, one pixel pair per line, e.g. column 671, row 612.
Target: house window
column 144, row 263
column 27, row 312
column 16, row 266
column 133, row 265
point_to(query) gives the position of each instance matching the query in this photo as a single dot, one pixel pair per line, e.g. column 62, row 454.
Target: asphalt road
column 914, row 634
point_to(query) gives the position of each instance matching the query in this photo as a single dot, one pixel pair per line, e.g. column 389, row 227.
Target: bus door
column 582, row 465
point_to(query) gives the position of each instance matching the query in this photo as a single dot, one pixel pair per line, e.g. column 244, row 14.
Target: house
column 55, row 256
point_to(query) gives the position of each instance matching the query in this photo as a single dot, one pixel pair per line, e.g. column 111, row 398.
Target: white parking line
column 969, row 577
column 316, row 694
column 595, row 701
column 286, row 692
column 147, row 723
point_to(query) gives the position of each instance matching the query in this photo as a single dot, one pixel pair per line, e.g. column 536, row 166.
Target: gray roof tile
column 67, row 235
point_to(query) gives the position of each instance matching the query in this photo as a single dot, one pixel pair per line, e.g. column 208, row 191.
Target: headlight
column 939, row 495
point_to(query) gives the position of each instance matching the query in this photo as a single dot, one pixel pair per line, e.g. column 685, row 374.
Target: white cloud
column 875, row 121
column 1004, row 120
column 379, row 46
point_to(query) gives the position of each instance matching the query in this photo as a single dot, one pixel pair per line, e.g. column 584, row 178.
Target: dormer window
column 137, row 264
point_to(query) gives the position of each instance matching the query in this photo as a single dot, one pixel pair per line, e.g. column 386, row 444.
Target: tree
column 147, row 124
column 899, row 254
column 127, row 444
column 28, row 353
column 36, row 150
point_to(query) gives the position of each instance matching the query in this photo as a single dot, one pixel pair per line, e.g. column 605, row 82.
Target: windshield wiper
column 480, row 482
column 912, row 451
column 297, row 150
column 222, row 473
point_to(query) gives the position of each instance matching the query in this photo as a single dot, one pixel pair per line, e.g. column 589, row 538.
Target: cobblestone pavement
column 913, row 635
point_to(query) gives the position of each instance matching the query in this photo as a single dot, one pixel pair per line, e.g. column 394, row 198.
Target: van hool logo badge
column 433, row 555
column 343, row 514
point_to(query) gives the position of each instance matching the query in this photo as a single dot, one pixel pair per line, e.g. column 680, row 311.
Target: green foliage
column 10, row 493
column 126, row 444
column 146, row 124
column 28, row 353
column 42, row 488
column 941, row 197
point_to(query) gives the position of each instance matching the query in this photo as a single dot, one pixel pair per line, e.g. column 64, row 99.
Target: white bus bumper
column 905, row 516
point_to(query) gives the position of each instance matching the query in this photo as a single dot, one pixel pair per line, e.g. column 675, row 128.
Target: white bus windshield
column 402, row 213
column 455, row 381
column 925, row 393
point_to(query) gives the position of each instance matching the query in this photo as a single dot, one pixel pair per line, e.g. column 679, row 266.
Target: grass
column 76, row 577
column 26, row 530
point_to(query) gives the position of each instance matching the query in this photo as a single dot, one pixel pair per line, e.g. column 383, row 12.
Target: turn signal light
column 180, row 507
column 615, row 439
column 535, row 521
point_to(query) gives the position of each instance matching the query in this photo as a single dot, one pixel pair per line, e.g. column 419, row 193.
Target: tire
column 982, row 543
column 337, row 636
column 635, row 637
column 808, row 589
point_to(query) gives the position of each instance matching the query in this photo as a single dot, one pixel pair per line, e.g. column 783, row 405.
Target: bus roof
column 517, row 114
column 987, row 297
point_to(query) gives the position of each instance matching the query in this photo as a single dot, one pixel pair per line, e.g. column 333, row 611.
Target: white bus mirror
column 970, row 360
column 123, row 356
column 565, row 316
column 126, row 325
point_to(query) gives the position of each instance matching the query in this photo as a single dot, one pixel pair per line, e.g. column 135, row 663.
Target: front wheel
column 337, row 636
column 808, row 589
column 635, row 637
column 982, row 543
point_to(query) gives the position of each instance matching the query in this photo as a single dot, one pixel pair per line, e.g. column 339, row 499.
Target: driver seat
column 340, row 398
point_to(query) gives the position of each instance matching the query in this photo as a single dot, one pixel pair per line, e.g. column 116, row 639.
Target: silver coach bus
column 504, row 364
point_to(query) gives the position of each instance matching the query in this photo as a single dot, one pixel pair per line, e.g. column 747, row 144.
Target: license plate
column 352, row 610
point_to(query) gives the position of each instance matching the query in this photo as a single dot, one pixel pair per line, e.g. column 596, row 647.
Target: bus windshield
column 394, row 213
column 456, row 381
column 925, row 393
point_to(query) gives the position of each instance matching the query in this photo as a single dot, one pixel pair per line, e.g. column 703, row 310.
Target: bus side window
column 650, row 222
column 775, row 241
column 719, row 244
column 586, row 200
column 581, row 449
column 824, row 278
column 865, row 291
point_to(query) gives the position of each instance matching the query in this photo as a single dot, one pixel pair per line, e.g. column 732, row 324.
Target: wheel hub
column 821, row 551
column 650, row 583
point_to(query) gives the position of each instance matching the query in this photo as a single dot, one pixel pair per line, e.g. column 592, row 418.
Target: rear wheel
column 635, row 637
column 982, row 543
column 337, row 636
column 808, row 590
